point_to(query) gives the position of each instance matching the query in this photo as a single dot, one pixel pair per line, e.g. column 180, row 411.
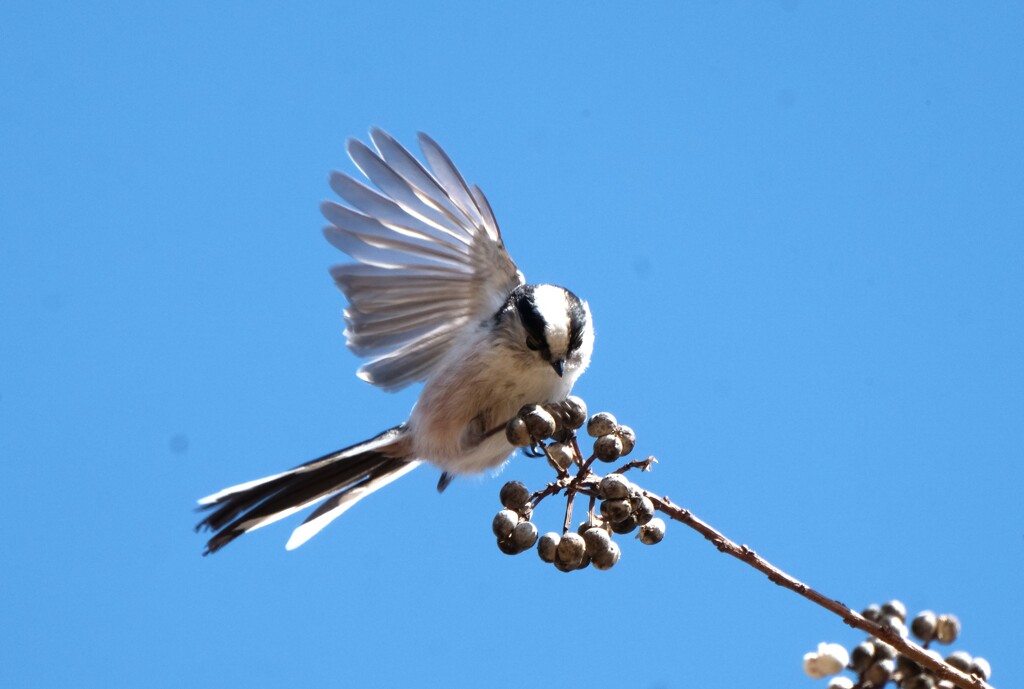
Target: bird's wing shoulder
column 430, row 258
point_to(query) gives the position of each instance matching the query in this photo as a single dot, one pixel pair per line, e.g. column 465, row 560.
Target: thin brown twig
column 641, row 464
column 586, row 482
column 854, row 619
column 570, row 494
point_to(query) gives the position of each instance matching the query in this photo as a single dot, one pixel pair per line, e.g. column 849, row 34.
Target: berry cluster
column 512, row 525
column 622, row 507
column 876, row 663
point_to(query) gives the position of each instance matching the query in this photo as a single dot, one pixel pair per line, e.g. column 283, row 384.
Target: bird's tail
column 345, row 477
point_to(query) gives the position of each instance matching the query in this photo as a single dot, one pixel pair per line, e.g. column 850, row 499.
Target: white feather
column 339, row 504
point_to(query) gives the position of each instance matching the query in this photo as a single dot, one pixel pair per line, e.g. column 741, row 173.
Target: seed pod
column 829, row 659
column 923, row 626
column 862, row 656
column 538, row 421
column 947, row 629
column 601, row 423
column 524, row 535
column 597, row 540
column 895, row 623
column 652, row 532
column 981, row 668
column 517, row 433
column 615, row 511
column 504, row 522
column 613, row 487
column 872, row 612
column 961, row 660
column 921, row 681
column 506, row 546
column 628, row 438
column 561, row 435
column 589, row 524
column 514, row 495
column 607, row 558
column 570, row 550
column 608, row 448
column 575, row 411
column 894, row 607
column 547, row 545
column 560, row 456
column 883, row 651
column 627, row 525
column 880, row 672
column 644, row 512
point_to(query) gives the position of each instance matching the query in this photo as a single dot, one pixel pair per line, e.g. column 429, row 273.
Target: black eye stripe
column 529, row 314
column 577, row 321
column 523, row 299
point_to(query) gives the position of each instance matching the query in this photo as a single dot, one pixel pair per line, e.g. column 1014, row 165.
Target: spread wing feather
column 430, row 258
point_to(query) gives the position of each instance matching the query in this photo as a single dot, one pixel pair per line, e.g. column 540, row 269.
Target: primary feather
column 430, row 254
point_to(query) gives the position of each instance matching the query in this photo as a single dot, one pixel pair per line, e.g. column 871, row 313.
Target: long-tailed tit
column 433, row 297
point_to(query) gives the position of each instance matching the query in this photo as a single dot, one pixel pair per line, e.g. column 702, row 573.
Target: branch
column 854, row 619
column 625, row 506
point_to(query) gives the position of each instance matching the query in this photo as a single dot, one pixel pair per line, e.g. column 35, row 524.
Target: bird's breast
column 458, row 420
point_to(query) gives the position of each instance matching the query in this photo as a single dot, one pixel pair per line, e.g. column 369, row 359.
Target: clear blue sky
column 801, row 230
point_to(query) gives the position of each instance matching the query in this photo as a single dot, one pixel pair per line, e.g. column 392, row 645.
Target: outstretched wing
column 430, row 258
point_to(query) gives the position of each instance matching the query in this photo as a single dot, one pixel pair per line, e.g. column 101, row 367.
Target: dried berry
column 923, row 626
column 883, row 651
column 597, row 540
column 947, row 629
column 524, row 535
column 606, row 559
column 570, row 550
column 616, row 511
column 981, row 668
column 922, row 681
column 600, row 424
column 644, row 512
column 560, row 456
column 574, row 411
column 506, row 546
column 517, row 433
column 862, row 656
column 614, row 486
column 547, row 545
column 880, row 672
column 628, row 438
column 652, row 532
column 827, row 660
column 895, row 623
column 504, row 522
column 627, row 525
column 895, row 607
column 608, row 448
column 514, row 495
column 538, row 421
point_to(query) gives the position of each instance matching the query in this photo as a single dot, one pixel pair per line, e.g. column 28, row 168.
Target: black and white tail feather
column 433, row 297
column 346, row 475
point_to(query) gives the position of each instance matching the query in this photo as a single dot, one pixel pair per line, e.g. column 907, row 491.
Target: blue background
column 801, row 230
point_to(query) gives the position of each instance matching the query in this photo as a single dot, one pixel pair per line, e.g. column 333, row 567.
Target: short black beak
column 558, row 366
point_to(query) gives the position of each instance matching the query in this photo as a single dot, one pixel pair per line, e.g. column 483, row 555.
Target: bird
column 433, row 298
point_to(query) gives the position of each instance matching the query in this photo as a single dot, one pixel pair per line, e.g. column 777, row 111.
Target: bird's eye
column 532, row 343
